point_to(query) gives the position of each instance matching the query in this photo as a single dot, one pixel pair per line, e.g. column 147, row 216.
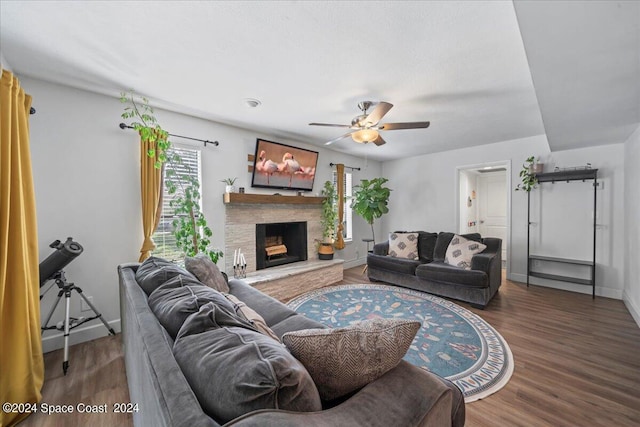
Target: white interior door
column 492, row 207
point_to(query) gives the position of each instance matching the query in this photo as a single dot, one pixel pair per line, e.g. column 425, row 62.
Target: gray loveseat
column 429, row 273
column 404, row 396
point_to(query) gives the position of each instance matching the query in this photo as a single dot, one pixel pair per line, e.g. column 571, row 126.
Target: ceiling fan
column 365, row 127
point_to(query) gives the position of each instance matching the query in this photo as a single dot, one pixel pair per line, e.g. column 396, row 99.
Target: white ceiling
column 461, row 65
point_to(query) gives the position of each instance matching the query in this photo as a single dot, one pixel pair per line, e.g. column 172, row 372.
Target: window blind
column 163, row 236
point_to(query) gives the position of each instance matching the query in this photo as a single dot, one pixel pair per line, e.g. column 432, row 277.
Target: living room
column 86, row 169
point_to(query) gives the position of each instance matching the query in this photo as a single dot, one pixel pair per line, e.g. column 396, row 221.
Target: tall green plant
column 370, row 200
column 190, row 227
column 329, row 212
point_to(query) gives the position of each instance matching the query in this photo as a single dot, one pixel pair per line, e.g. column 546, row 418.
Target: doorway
column 484, row 202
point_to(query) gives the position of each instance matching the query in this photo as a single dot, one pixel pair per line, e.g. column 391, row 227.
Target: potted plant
column 370, row 200
column 528, row 174
column 328, row 221
column 190, row 229
column 230, row 188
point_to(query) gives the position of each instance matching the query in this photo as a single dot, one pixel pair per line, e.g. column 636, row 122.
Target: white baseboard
column 354, row 262
column 514, row 277
column 571, row 287
column 54, row 341
column 633, row 309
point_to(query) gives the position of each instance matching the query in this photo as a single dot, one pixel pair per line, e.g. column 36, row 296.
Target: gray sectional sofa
column 429, row 273
column 169, row 391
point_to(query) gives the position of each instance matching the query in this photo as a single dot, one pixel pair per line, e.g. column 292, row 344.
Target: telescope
column 64, row 254
column 52, row 269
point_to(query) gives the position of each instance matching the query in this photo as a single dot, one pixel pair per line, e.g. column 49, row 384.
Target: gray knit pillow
column 345, row 359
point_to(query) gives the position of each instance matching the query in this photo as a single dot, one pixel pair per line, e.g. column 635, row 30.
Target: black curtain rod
column 350, row 167
column 216, row 143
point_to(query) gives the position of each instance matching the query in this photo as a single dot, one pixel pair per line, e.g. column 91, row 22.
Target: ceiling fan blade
column 378, row 113
column 407, row 125
column 379, row 141
column 338, row 138
column 329, row 124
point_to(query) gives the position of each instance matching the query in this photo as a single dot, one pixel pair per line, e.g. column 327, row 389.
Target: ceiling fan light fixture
column 365, row 135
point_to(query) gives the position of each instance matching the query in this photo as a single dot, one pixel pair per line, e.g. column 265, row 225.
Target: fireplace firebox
column 280, row 243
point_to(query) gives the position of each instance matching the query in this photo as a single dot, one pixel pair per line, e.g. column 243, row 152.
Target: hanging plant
column 529, row 180
column 190, row 228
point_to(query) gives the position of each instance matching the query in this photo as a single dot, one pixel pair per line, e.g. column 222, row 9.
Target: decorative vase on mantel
column 229, row 188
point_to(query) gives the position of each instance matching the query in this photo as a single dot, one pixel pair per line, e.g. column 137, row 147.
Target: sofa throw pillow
column 207, row 272
column 252, row 316
column 173, row 304
column 461, row 251
column 403, row 245
column 155, row 271
column 233, row 371
column 345, row 359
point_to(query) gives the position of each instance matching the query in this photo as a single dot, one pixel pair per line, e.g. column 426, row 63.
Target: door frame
column 502, row 164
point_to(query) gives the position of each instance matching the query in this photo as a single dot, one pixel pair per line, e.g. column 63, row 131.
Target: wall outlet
column 83, row 305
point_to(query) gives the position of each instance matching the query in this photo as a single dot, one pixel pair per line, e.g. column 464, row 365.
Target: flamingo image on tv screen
column 283, row 166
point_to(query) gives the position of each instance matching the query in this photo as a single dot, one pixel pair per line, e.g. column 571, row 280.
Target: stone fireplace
column 243, row 212
column 280, row 243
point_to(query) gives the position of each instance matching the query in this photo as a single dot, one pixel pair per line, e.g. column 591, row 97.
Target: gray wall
column 428, row 201
column 632, row 225
column 86, row 175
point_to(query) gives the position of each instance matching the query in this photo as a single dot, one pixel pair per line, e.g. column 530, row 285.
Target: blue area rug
column 452, row 342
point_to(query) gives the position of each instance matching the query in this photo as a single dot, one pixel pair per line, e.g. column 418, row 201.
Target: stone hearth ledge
column 285, row 281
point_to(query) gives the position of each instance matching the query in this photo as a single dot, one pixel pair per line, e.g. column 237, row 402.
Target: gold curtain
column 21, row 358
column 151, row 192
column 340, row 178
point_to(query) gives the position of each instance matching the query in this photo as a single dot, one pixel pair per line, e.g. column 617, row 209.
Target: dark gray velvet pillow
column 177, row 299
column 233, row 371
column 154, row 271
column 426, row 245
column 207, row 272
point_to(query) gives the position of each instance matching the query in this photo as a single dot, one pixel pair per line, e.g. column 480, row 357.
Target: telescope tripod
column 70, row 323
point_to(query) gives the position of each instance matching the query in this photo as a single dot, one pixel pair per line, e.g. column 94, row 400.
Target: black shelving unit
column 564, row 176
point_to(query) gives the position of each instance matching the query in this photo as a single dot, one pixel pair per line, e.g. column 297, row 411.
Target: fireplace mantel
column 274, row 199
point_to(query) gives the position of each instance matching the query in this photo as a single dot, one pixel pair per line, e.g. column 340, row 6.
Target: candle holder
column 239, row 264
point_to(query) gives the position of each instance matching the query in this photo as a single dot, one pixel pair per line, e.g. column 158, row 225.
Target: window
column 347, row 233
column 163, row 236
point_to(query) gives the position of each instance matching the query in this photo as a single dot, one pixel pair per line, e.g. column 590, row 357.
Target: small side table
column 367, row 241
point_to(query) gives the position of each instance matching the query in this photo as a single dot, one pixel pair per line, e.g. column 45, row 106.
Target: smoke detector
column 252, row 103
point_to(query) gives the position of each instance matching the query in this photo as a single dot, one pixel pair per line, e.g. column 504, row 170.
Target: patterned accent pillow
column 403, row 245
column 461, row 250
column 345, row 359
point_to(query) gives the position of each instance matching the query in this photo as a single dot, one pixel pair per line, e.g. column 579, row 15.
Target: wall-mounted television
column 283, row 167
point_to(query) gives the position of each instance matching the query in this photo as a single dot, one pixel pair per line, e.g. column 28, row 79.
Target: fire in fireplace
column 280, row 243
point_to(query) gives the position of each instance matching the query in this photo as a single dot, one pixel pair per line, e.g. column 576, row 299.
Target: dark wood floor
column 577, row 363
